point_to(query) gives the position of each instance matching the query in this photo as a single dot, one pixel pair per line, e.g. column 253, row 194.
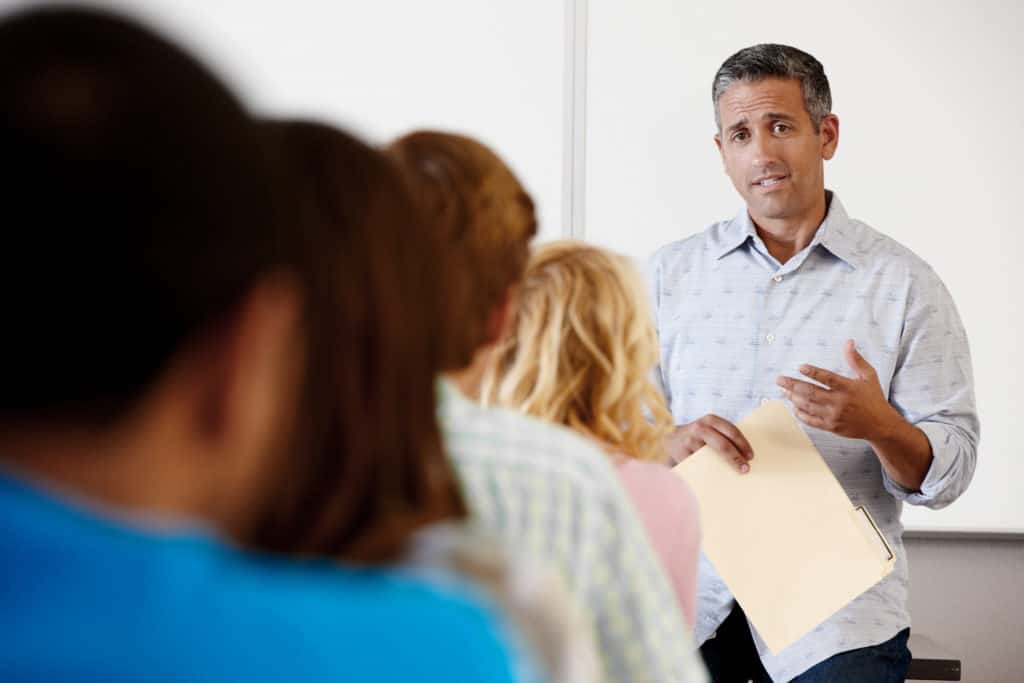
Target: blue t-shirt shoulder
column 87, row 598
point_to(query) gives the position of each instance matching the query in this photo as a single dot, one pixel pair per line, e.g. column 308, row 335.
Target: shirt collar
column 835, row 233
column 449, row 396
column 445, row 392
column 736, row 233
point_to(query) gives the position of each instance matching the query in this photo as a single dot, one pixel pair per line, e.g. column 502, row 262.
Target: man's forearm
column 904, row 451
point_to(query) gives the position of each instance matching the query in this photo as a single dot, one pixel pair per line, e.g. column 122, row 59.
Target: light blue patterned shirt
column 731, row 319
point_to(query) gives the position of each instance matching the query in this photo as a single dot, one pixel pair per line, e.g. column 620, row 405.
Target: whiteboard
column 931, row 105
column 381, row 68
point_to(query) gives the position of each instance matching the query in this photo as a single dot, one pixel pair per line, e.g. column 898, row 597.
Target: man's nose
column 764, row 152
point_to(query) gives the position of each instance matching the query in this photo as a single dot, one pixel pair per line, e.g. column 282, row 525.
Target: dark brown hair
column 485, row 221
column 368, row 468
column 137, row 211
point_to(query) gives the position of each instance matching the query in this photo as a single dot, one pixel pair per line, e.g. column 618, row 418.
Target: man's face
column 770, row 149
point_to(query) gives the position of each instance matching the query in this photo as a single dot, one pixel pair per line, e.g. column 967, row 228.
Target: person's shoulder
column 498, row 437
column 335, row 590
column 686, row 248
column 187, row 601
column 879, row 250
column 328, row 619
column 497, row 442
column 658, row 482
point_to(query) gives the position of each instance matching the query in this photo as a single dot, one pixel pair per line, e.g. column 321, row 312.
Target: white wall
column 931, row 107
column 928, row 94
column 383, row 67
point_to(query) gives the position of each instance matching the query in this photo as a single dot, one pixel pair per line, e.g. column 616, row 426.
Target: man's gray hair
column 770, row 60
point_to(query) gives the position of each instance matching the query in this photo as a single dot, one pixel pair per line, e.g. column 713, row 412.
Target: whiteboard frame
column 574, row 158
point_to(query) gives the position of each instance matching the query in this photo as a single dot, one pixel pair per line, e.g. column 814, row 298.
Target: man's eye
column 740, row 136
column 780, row 128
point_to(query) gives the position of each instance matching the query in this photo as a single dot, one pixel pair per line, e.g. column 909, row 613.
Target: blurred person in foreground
column 376, row 488
column 155, row 348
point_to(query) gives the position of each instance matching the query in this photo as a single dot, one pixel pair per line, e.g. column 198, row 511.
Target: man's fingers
column 809, row 392
column 730, row 432
column 721, row 435
column 808, row 419
column 693, row 444
column 857, row 362
column 681, row 444
column 727, row 448
column 807, row 406
column 675, row 456
column 823, row 376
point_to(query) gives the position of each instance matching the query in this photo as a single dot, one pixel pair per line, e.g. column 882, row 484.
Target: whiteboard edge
column 574, row 120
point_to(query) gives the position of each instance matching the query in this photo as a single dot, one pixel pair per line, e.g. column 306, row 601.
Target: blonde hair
column 582, row 350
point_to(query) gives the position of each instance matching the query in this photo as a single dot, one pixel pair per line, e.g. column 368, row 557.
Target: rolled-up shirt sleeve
column 933, row 388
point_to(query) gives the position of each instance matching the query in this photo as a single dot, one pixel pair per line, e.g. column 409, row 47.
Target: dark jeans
column 731, row 657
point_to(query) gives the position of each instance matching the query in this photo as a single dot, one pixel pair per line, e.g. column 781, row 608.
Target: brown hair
column 137, row 211
column 368, row 468
column 485, row 221
column 583, row 349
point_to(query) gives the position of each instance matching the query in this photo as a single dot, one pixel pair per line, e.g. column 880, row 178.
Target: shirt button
column 764, row 399
column 770, row 338
column 777, row 278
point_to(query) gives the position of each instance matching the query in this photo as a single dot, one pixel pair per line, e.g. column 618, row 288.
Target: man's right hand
column 713, row 431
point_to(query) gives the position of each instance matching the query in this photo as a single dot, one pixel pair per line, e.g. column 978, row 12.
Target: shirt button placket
column 769, row 338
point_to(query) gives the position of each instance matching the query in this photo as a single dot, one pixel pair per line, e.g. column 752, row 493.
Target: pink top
column 669, row 511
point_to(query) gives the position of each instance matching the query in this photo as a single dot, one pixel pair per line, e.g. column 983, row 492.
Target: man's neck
column 786, row 237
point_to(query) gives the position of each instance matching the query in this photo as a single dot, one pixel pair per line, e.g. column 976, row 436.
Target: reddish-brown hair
column 485, row 220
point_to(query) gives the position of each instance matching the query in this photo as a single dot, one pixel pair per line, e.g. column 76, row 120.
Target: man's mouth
column 769, row 181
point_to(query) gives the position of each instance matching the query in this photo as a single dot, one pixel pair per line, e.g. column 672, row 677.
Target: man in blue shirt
column 151, row 356
column 856, row 331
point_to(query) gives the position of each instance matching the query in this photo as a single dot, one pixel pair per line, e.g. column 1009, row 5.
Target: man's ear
column 718, row 144
column 255, row 371
column 503, row 315
column 829, row 136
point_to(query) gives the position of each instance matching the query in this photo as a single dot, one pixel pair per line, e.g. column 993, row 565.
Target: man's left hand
column 853, row 407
